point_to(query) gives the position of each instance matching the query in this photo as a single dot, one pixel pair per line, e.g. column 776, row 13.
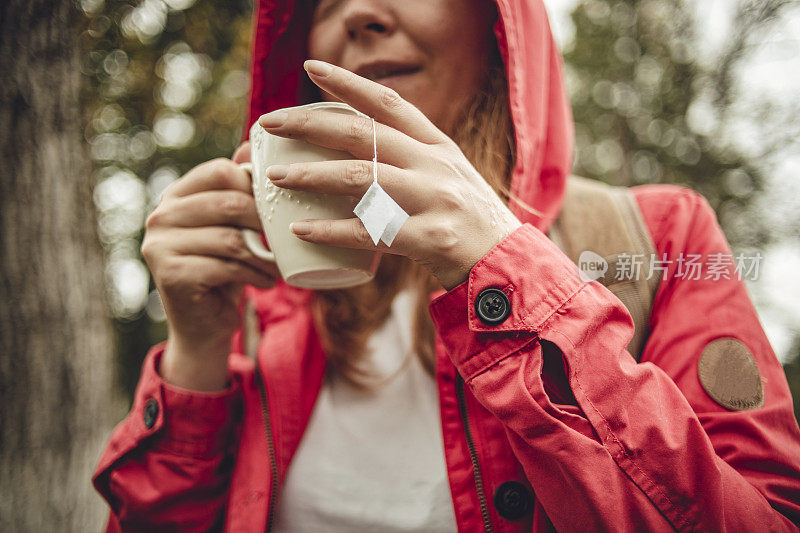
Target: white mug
column 302, row 264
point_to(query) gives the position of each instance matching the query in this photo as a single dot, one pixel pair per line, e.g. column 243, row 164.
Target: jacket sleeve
column 167, row 464
column 608, row 443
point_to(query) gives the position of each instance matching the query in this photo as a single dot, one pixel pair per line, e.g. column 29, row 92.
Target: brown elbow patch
column 729, row 374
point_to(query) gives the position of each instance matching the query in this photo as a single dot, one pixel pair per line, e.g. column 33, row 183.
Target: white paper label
column 380, row 214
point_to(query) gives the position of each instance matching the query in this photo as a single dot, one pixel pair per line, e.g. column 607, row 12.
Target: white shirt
column 373, row 460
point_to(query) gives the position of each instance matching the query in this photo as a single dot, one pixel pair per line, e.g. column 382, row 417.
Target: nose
column 367, row 18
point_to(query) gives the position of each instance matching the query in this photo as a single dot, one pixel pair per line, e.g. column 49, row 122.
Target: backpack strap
column 606, row 220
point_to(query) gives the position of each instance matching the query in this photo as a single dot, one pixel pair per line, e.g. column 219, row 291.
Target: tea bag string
column 374, row 153
column 381, row 215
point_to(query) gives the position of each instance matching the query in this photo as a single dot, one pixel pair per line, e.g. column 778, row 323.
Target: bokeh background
column 702, row 93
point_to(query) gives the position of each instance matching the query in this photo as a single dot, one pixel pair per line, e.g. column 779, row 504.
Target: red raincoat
column 548, row 421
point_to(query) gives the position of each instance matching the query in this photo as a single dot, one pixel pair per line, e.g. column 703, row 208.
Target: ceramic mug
column 302, row 264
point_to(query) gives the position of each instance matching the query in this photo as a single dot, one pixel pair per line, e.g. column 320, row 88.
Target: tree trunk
column 57, row 398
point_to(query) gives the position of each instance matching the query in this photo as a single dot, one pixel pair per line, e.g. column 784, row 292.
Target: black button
column 492, row 306
column 513, row 500
column 150, row 413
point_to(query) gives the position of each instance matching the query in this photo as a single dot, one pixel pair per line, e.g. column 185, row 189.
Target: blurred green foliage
column 647, row 111
column 167, row 82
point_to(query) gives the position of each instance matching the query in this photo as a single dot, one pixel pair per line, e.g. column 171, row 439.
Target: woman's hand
column 455, row 216
column 200, row 263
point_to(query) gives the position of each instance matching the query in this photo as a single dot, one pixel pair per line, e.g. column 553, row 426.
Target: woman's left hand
column 455, row 217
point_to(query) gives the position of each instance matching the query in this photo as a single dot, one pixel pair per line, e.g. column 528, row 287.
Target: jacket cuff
column 184, row 422
column 196, row 423
column 536, row 277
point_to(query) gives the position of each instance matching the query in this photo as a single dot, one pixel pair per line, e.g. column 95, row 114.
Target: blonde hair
column 346, row 318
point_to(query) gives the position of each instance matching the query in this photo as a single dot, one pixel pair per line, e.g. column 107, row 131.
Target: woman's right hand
column 200, row 264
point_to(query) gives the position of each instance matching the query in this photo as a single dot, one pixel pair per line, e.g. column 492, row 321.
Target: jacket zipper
column 462, row 409
column 476, row 467
column 273, row 462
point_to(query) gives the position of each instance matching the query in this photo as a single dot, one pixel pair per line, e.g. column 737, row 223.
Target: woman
column 545, row 420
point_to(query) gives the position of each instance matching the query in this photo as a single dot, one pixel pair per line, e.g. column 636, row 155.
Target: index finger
column 375, row 100
column 217, row 174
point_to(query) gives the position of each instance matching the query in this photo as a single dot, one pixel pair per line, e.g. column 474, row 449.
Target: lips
column 380, row 70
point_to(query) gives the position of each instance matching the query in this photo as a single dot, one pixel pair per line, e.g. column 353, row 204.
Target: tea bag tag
column 378, row 211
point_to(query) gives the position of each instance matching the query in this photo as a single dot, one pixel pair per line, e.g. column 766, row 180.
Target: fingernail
column 274, row 119
column 277, row 172
column 317, row 68
column 300, row 228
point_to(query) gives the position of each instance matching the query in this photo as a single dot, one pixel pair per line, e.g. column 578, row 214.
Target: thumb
column 242, row 154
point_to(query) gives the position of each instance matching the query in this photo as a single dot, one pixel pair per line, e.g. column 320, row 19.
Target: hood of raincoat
column 538, row 100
